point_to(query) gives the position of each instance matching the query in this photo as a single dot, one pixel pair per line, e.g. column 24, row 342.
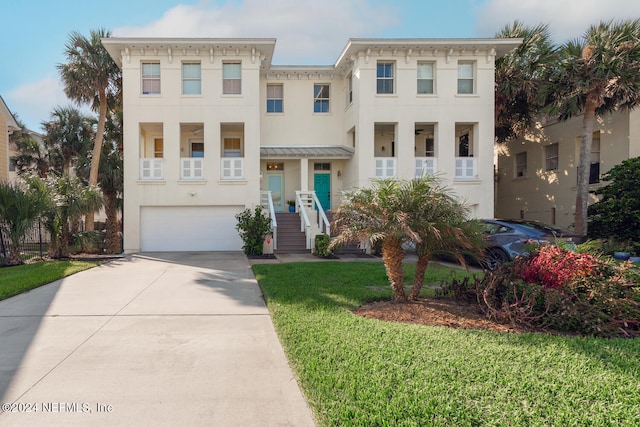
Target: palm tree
column 395, row 212
column 32, row 155
column 91, row 76
column 597, row 74
column 444, row 227
column 19, row 210
column 68, row 135
column 68, row 199
column 111, row 179
column 518, row 77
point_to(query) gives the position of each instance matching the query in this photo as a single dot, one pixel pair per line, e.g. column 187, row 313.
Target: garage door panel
column 189, row 228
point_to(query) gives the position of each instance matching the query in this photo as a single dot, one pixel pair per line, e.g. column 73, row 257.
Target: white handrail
column 272, row 215
column 305, row 224
column 323, row 216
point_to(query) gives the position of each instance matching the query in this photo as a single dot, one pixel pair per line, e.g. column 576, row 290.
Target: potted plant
column 292, row 205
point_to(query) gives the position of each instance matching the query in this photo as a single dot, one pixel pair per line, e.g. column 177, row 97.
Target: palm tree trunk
column 392, row 254
column 113, row 240
column 584, row 165
column 418, row 279
column 97, row 149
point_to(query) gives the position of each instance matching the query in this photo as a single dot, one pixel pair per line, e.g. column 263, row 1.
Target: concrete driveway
column 180, row 339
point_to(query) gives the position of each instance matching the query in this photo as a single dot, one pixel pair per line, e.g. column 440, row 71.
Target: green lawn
column 362, row 372
column 22, row 278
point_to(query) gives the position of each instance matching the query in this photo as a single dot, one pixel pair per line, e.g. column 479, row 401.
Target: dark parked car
column 509, row 238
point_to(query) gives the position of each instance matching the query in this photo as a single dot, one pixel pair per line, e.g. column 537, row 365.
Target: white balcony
column 425, row 166
column 191, row 168
column 385, row 167
column 151, row 169
column 466, row 168
column 232, row 168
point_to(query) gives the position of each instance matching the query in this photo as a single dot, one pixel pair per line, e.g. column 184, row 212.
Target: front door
column 275, row 184
column 322, row 186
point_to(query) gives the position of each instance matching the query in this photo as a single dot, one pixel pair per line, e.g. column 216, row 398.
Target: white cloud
column 567, row 19
column 307, row 31
column 34, row 102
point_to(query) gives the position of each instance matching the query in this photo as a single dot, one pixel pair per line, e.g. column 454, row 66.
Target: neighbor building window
column 521, row 164
column 384, row 77
column 150, row 78
column 594, row 172
column 274, row 98
column 191, row 78
column 350, row 89
column 231, row 78
column 320, row 98
column 551, row 157
column 425, row 77
column 465, row 77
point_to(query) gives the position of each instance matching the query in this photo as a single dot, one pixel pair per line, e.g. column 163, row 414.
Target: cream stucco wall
column 549, row 196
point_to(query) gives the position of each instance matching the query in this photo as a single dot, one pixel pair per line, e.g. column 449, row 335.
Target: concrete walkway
column 178, row 339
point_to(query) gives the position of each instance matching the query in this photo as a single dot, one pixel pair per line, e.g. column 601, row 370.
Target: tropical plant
column 19, row 210
column 32, row 154
column 68, row 135
column 397, row 212
column 91, row 77
column 110, row 179
column 68, row 199
column 253, row 227
column 518, row 77
column 596, row 74
column 617, row 212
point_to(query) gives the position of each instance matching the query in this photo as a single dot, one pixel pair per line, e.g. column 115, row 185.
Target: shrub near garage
column 556, row 289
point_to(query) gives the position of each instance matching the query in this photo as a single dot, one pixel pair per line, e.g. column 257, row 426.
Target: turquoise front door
column 275, row 184
column 322, row 186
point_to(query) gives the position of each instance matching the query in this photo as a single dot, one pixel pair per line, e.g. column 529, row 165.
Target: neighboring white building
column 537, row 175
column 210, row 125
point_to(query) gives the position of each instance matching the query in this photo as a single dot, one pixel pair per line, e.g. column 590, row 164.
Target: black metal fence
column 35, row 244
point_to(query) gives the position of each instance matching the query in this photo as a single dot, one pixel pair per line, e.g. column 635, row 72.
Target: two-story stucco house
column 537, row 174
column 8, row 125
column 212, row 127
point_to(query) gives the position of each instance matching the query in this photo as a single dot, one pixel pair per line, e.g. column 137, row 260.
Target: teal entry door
column 275, row 184
column 322, row 186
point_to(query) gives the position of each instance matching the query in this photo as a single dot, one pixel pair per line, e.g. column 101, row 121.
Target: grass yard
column 22, row 278
column 363, row 372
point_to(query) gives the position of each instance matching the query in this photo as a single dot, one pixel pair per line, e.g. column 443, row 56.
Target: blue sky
column 33, row 32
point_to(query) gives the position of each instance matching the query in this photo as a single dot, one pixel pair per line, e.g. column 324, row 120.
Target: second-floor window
column 425, row 77
column 191, row 78
column 274, row 98
column 384, row 77
column 320, row 98
column 551, row 157
column 150, row 78
column 231, row 78
column 465, row 78
column 350, row 89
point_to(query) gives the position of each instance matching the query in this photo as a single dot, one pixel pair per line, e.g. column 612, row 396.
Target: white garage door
column 189, row 228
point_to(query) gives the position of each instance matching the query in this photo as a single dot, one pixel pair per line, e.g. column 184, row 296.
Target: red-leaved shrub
column 553, row 267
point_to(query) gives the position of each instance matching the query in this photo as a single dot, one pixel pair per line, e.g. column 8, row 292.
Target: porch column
column 304, row 174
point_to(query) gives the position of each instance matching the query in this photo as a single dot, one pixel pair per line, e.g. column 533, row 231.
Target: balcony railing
column 385, row 167
column 151, row 168
column 232, row 168
column 466, row 168
column 425, row 166
column 191, row 168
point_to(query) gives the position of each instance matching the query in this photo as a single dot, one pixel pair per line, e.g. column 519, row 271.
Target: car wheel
column 495, row 257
